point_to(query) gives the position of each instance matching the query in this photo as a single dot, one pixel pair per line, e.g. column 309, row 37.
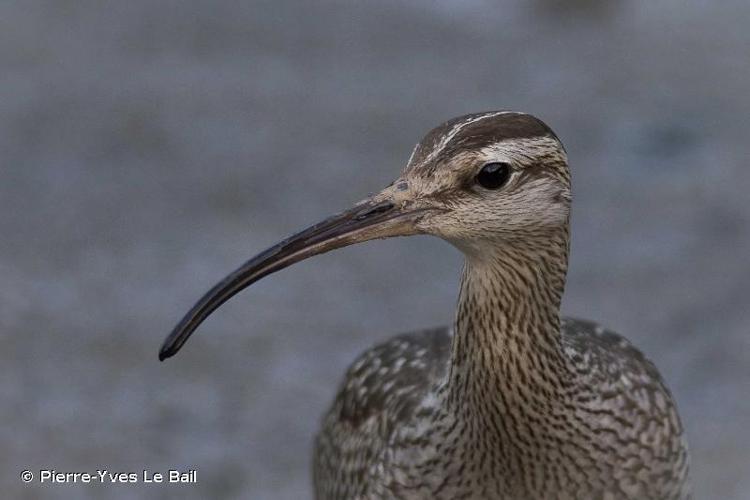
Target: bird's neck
column 507, row 341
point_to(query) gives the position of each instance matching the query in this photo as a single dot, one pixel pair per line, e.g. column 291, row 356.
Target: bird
column 513, row 400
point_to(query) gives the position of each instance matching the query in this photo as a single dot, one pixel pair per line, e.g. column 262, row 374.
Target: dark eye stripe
column 493, row 175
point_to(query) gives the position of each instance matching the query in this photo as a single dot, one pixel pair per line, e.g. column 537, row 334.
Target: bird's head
column 480, row 180
column 485, row 179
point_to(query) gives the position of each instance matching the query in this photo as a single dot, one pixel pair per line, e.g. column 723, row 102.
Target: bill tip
column 164, row 354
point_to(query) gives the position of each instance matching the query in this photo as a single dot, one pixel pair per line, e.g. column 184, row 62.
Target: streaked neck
column 507, row 329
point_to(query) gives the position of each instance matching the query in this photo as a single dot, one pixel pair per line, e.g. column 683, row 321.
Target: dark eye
column 493, row 175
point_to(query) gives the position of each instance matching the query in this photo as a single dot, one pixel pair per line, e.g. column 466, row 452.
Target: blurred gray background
column 149, row 147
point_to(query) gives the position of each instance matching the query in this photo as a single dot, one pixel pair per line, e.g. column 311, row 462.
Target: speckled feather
column 517, row 403
column 387, row 405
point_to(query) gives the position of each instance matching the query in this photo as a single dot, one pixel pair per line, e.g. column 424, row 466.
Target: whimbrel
column 513, row 401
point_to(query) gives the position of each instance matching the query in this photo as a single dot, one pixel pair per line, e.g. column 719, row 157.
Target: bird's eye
column 493, row 175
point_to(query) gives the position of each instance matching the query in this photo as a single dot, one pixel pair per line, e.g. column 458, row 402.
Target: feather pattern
column 512, row 402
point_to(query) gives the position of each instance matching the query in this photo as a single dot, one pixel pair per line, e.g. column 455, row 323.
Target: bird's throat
column 507, row 341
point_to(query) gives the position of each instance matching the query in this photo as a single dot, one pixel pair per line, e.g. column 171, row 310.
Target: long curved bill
column 370, row 219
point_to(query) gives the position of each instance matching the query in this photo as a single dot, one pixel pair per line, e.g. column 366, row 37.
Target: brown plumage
column 513, row 402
